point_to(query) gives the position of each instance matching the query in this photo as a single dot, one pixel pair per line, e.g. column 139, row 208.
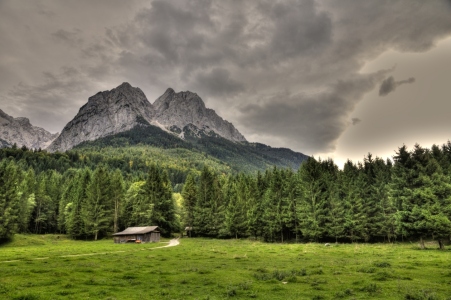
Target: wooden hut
column 138, row 235
column 188, row 231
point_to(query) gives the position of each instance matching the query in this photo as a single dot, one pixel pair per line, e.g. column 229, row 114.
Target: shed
column 188, row 231
column 138, row 234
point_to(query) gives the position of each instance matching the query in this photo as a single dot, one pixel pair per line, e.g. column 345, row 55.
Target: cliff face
column 106, row 113
column 179, row 112
column 125, row 107
column 19, row 131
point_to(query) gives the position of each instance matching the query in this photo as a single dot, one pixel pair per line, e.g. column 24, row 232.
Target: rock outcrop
column 19, row 131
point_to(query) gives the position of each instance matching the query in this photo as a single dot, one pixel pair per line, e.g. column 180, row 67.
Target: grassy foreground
column 46, row 267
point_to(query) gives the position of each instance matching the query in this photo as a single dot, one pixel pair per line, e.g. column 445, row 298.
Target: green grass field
column 45, row 267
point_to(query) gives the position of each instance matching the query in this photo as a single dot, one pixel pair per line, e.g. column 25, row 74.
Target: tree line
column 376, row 200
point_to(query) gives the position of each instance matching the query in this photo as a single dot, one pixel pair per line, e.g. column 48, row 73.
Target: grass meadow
column 54, row 267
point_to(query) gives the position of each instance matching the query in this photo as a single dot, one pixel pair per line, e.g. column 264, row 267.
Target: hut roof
column 138, row 230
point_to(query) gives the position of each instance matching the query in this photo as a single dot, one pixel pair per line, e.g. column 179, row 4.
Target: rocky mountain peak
column 175, row 111
column 106, row 113
column 21, row 132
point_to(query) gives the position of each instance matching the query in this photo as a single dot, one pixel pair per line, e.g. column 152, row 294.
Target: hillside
column 240, row 157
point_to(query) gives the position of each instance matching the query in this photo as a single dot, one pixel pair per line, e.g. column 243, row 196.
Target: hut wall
column 154, row 236
column 124, row 238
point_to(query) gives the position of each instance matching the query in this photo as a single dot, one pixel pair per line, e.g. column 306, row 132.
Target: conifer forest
column 90, row 195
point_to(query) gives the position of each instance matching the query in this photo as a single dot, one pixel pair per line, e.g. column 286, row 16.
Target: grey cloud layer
column 285, row 72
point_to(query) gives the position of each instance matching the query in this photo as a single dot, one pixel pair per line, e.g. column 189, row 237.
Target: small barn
column 138, row 234
column 188, row 231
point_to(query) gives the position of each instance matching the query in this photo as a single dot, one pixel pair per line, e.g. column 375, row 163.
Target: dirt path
column 172, row 243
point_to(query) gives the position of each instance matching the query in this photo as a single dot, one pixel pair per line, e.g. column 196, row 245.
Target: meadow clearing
column 55, row 267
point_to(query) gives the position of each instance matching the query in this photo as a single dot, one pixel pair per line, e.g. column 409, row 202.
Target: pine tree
column 76, row 198
column 158, row 191
column 97, row 209
column 117, row 190
column 9, row 198
column 313, row 203
column 137, row 209
column 206, row 213
column 255, row 210
column 27, row 200
column 189, row 195
column 235, row 218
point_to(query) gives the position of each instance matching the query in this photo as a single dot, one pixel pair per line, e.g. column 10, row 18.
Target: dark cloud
column 218, row 82
column 286, row 72
column 310, row 122
column 71, row 38
column 46, row 105
column 389, row 85
column 355, row 121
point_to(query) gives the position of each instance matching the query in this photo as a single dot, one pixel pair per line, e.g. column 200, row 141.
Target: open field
column 45, row 267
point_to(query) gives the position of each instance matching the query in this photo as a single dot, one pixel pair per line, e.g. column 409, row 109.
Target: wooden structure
column 188, row 231
column 138, row 235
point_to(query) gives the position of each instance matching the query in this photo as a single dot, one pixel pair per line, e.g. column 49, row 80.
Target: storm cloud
column 286, row 73
column 389, row 85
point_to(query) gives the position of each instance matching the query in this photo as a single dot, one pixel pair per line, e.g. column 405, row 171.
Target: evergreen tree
column 117, row 190
column 76, row 199
column 255, row 210
column 235, row 217
column 97, row 209
column 313, row 202
column 158, row 191
column 43, row 208
column 273, row 207
column 189, row 194
column 9, row 198
column 27, row 200
column 206, row 212
column 137, row 209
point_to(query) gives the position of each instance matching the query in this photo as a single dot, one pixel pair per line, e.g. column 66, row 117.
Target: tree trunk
column 441, row 245
column 422, row 243
column 95, row 237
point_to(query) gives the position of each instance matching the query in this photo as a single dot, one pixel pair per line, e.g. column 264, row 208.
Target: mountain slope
column 246, row 157
column 19, row 131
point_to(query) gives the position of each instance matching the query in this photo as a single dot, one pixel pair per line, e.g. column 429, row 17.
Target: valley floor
column 54, row 267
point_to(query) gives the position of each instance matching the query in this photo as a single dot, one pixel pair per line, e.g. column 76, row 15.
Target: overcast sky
column 330, row 78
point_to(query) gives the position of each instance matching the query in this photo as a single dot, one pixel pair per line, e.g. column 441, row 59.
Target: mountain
column 123, row 117
column 106, row 113
column 186, row 112
column 19, row 131
column 125, row 107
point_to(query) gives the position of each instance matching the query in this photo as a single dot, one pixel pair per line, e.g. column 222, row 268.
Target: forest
column 90, row 195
